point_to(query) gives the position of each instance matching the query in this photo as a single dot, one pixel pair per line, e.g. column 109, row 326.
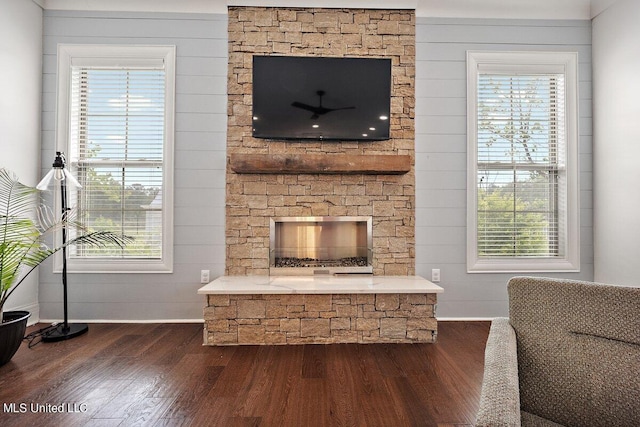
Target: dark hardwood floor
column 161, row 375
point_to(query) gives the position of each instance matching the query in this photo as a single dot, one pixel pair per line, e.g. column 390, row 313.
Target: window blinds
column 116, row 143
column 520, row 169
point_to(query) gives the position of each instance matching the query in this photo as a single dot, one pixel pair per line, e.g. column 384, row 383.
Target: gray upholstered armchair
column 569, row 354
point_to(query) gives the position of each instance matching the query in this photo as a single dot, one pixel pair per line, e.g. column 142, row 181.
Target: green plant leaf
column 23, row 227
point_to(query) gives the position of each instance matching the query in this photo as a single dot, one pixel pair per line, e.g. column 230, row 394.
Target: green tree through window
column 118, row 151
column 115, row 121
column 522, row 157
column 517, row 170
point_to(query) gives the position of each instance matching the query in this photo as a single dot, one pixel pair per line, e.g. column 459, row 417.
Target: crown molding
column 482, row 9
column 212, row 6
column 505, row 9
column 170, row 6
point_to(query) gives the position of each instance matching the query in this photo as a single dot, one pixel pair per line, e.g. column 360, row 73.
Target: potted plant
column 24, row 225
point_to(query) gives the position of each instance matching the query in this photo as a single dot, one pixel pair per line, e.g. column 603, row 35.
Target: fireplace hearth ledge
column 320, row 284
column 323, row 309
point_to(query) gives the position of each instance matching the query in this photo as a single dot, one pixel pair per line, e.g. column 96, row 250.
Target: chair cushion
column 578, row 350
column 530, row 420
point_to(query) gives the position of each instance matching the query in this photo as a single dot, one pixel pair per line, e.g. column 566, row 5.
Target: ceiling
column 513, row 9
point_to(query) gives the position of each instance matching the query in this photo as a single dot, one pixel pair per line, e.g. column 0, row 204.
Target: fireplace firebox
column 320, row 245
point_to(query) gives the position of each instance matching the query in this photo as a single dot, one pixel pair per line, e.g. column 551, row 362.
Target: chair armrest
column 500, row 396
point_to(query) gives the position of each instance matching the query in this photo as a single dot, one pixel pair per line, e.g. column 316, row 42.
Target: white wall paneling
column 200, row 153
column 441, row 46
column 200, row 156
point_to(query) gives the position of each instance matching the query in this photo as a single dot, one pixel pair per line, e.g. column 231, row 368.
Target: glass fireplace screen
column 320, row 245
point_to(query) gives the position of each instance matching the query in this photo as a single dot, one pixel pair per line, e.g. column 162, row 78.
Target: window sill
column 523, row 266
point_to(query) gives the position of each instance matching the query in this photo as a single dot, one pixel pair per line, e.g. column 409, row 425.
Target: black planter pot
column 11, row 333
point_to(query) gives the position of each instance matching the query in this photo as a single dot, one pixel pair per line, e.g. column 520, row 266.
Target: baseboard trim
column 443, row 319
column 124, row 320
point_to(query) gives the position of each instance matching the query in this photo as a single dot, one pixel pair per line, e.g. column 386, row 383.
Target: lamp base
column 60, row 332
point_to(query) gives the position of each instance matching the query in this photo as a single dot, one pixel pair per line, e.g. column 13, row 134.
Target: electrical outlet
column 204, row 276
column 435, row 274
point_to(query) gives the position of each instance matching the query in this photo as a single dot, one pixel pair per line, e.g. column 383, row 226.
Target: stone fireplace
column 271, row 182
column 331, row 188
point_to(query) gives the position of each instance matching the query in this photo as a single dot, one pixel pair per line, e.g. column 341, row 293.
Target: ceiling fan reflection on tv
column 318, row 110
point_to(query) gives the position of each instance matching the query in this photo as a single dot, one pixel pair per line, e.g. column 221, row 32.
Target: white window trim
column 125, row 56
column 566, row 62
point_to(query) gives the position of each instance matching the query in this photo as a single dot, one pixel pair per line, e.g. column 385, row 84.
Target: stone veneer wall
column 319, row 319
column 251, row 199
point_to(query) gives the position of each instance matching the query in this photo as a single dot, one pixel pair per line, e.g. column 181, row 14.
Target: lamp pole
column 66, row 330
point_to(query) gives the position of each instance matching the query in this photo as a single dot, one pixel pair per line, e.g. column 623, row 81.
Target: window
column 115, row 120
column 523, row 171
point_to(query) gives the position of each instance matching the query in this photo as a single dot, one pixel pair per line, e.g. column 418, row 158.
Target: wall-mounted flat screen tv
column 321, row 98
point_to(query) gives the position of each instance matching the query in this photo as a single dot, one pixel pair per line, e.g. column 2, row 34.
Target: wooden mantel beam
column 371, row 164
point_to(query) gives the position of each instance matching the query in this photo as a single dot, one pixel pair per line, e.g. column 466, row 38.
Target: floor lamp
column 61, row 174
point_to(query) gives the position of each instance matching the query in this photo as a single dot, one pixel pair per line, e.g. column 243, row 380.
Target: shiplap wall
column 441, row 149
column 200, row 157
column 200, row 144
